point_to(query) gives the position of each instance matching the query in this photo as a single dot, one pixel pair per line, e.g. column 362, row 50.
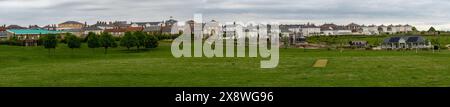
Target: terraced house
column 119, row 32
column 328, row 29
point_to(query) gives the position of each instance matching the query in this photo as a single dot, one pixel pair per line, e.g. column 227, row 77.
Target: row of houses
column 29, row 35
column 297, row 32
column 350, row 29
column 116, row 28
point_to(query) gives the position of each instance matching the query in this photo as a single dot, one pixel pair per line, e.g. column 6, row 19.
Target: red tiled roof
column 133, row 29
column 115, row 30
column 2, row 29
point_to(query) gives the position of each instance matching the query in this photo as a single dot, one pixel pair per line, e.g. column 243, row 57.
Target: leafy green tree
column 50, row 41
column 128, row 41
column 93, row 40
column 414, row 29
column 285, row 41
column 13, row 40
column 151, row 42
column 422, row 33
column 107, row 41
column 72, row 41
column 140, row 36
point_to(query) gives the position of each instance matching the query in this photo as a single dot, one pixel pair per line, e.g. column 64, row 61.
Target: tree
column 285, row 41
column 107, row 41
column 140, row 36
column 414, row 29
column 422, row 32
column 128, row 41
column 13, row 40
column 72, row 41
column 93, row 40
column 50, row 41
column 151, row 42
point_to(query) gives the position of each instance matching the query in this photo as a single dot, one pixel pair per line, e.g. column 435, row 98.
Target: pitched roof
column 120, row 24
column 115, row 30
column 171, row 21
column 71, row 22
column 414, row 39
column 309, row 26
column 328, row 27
column 131, row 29
column 34, row 27
column 145, row 23
column 353, row 24
column 49, row 26
column 92, row 28
column 406, row 39
column 15, row 27
column 134, row 29
column 152, row 29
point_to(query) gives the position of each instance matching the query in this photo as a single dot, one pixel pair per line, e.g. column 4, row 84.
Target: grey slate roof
column 152, row 29
column 145, row 23
column 171, row 21
column 407, row 39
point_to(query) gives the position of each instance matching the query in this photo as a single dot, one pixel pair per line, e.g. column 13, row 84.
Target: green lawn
column 33, row 66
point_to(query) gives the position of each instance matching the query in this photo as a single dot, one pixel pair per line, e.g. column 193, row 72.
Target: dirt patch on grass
column 321, row 63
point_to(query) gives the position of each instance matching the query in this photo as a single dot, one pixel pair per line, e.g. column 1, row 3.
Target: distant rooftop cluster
column 350, row 29
column 118, row 28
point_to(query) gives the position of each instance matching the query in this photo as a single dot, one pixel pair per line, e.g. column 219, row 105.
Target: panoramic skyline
column 420, row 13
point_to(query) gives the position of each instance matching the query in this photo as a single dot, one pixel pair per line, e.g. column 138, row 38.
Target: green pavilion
column 29, row 37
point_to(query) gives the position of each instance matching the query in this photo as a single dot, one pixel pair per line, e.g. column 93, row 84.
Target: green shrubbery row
column 105, row 40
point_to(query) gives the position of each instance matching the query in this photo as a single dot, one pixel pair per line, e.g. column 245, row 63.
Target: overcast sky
column 420, row 13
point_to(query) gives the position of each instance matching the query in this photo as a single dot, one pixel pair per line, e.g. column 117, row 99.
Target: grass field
column 33, row 66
